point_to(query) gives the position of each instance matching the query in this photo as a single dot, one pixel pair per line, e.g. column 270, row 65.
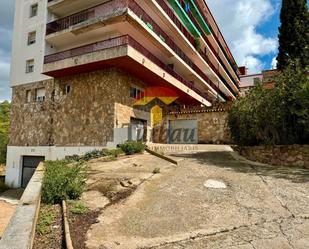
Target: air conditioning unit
column 40, row 99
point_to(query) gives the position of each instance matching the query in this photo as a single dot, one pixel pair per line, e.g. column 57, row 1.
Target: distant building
column 248, row 81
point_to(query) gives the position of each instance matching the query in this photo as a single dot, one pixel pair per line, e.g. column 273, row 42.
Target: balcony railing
column 181, row 27
column 101, row 10
column 117, row 42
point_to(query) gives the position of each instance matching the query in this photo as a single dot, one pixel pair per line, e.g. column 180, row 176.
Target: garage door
column 183, row 132
column 30, row 163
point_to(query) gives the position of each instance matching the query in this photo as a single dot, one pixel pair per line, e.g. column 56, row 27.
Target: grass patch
column 46, row 219
column 78, row 207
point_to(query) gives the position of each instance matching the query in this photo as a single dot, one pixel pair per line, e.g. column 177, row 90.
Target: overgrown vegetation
column 62, row 181
column 4, row 129
column 132, row 147
column 275, row 116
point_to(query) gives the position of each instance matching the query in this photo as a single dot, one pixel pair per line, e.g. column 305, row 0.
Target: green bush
column 113, row 153
column 132, row 147
column 62, row 181
column 273, row 116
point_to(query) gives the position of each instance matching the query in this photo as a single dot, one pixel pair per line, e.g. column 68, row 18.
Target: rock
column 215, row 184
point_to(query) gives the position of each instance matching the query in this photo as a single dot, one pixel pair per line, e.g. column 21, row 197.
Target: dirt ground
column 8, row 202
column 262, row 207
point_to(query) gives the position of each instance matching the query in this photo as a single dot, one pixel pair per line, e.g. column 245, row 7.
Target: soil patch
column 79, row 225
column 49, row 230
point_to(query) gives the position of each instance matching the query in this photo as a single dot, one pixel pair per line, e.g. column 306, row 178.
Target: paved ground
column 262, row 207
column 8, row 203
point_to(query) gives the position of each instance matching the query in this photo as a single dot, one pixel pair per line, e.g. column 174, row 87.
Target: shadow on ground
column 226, row 160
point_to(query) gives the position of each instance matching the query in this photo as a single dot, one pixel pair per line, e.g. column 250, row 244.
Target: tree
column 274, row 116
column 4, row 129
column 293, row 33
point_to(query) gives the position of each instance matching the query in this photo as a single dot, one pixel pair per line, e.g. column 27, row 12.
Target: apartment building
column 85, row 72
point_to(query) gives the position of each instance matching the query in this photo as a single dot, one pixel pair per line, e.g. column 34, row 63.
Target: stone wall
column 212, row 126
column 281, row 155
column 86, row 116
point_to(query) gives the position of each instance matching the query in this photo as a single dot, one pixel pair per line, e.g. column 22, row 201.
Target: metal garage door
column 30, row 163
column 183, row 132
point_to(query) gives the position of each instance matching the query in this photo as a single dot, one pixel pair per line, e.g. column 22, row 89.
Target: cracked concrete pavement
column 263, row 207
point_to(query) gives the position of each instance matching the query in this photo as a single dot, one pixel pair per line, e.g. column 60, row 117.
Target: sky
column 250, row 28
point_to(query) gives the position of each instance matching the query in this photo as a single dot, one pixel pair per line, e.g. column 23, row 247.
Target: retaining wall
column 282, row 155
column 19, row 234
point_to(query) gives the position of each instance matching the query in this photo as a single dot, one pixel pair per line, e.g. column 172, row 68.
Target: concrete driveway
column 262, row 207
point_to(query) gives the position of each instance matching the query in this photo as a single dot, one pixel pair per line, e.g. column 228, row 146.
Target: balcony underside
column 130, row 66
column 66, row 7
column 129, row 60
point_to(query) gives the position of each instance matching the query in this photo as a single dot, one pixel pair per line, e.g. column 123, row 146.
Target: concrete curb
column 20, row 232
column 67, row 235
column 161, row 156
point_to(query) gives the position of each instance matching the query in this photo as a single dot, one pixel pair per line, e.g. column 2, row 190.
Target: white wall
column 15, row 155
column 21, row 52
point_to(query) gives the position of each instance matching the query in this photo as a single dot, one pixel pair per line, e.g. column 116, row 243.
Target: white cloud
column 238, row 20
column 274, row 63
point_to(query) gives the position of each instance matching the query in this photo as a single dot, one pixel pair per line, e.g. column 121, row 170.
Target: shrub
column 113, row 153
column 62, row 181
column 132, row 147
column 274, row 116
column 92, row 155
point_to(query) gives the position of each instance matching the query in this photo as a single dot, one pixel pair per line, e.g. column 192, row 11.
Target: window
column 40, row 94
column 34, row 10
column 30, row 66
column 67, row 89
column 28, row 96
column 31, row 37
column 136, row 93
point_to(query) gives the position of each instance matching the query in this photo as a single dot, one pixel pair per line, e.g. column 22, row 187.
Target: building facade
column 91, row 74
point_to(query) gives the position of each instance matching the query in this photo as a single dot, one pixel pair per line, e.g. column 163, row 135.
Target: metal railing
column 117, row 42
column 181, row 27
column 100, row 10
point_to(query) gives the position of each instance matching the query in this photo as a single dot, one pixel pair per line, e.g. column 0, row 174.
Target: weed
column 156, row 171
column 46, row 219
column 78, row 207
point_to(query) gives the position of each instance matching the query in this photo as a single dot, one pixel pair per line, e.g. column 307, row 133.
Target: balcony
column 62, row 8
column 96, row 14
column 116, row 52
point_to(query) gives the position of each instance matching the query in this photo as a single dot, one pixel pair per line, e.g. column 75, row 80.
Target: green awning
column 197, row 14
column 184, row 18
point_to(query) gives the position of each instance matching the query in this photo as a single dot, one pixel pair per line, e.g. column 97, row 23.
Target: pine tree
column 293, row 33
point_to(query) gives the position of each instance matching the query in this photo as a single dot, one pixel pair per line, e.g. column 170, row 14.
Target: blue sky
column 250, row 28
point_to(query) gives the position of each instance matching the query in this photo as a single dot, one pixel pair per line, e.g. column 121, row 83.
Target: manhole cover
column 214, row 184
